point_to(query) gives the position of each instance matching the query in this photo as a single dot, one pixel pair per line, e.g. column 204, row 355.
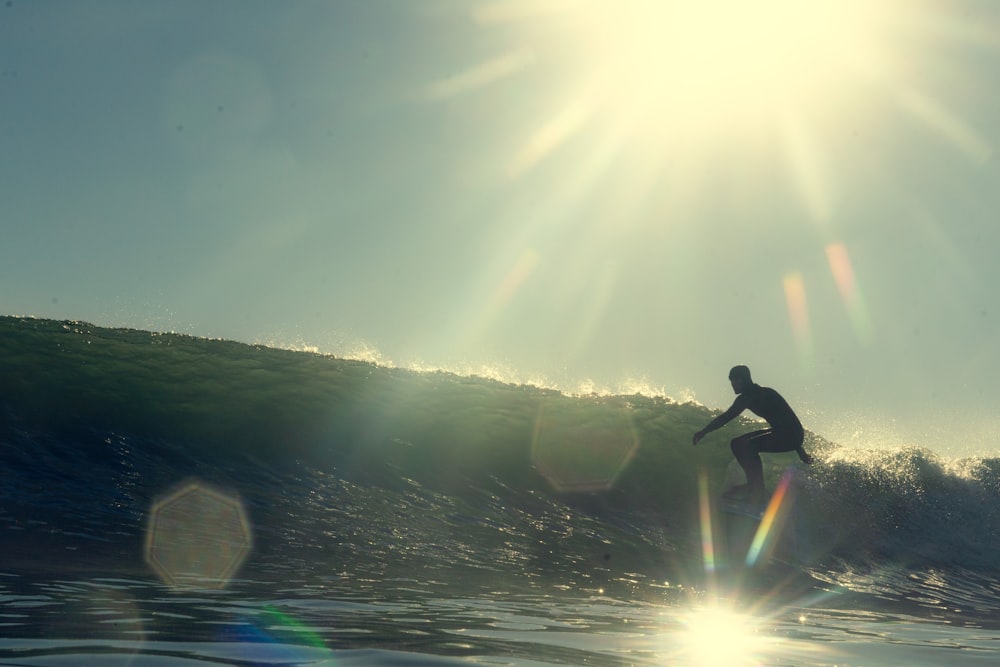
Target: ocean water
column 170, row 500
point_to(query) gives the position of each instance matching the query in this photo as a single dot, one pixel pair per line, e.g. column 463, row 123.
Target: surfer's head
column 739, row 377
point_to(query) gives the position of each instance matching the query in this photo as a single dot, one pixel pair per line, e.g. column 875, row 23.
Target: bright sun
column 665, row 91
column 719, row 636
column 692, row 64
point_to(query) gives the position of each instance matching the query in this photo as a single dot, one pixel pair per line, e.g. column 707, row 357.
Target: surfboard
column 742, row 508
column 734, row 500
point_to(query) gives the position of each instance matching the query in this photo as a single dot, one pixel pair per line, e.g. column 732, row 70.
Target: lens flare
column 269, row 635
column 583, row 450
column 798, row 316
column 288, row 629
column 705, row 520
column 197, row 536
column 772, row 521
column 843, row 275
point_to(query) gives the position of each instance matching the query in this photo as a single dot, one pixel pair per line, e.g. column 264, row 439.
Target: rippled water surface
column 110, row 621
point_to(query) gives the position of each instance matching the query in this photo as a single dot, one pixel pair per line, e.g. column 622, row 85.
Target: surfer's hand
column 697, row 436
column 805, row 457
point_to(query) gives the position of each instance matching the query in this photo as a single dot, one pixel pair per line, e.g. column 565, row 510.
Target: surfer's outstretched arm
column 735, row 409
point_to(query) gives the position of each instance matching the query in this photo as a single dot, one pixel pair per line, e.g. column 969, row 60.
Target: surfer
column 784, row 435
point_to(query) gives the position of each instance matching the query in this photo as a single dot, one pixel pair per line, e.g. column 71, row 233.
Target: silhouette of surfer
column 784, row 435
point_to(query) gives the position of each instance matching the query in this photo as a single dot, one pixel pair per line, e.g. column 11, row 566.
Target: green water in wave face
column 451, row 434
column 244, row 398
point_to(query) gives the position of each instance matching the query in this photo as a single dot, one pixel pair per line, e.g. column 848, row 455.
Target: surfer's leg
column 746, row 449
column 778, row 441
column 783, row 441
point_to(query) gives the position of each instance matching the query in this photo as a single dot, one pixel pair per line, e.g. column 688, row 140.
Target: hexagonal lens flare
column 583, row 447
column 197, row 536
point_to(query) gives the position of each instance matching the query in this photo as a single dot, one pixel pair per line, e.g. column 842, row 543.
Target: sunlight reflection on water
column 287, row 622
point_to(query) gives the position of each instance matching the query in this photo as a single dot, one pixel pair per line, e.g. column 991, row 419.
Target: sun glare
column 720, row 61
column 718, row 636
column 667, row 87
column 611, row 121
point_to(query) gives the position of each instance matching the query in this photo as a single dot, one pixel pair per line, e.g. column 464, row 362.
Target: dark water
column 169, row 500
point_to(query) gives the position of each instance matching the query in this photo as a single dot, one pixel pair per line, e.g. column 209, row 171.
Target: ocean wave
column 389, row 468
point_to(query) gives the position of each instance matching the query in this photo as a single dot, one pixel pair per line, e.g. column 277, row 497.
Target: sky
column 630, row 195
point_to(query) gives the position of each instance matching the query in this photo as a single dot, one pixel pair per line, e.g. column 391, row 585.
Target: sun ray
column 946, row 124
column 481, row 75
column 808, row 173
column 515, row 278
column 553, row 134
column 592, row 315
column 512, row 11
